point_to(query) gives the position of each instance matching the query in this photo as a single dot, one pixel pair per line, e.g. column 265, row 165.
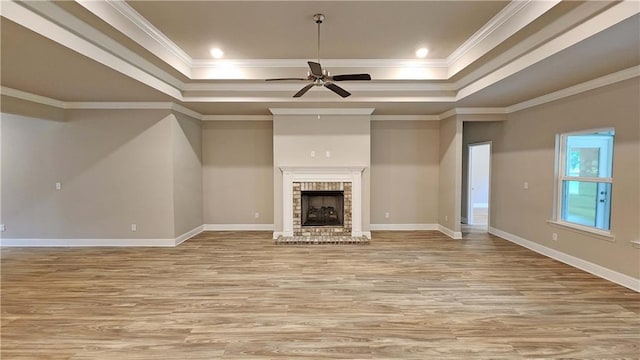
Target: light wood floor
column 229, row 295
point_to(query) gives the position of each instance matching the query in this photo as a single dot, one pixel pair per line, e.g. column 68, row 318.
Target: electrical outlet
column 256, row 215
column 58, row 185
column 386, row 215
column 446, row 218
column 313, row 153
column 554, row 237
column 525, row 185
column 134, row 227
column 2, row 228
column 327, row 153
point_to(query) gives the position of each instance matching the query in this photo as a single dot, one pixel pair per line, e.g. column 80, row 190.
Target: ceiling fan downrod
column 318, row 18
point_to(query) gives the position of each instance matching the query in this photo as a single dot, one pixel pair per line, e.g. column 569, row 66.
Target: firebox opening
column 322, row 208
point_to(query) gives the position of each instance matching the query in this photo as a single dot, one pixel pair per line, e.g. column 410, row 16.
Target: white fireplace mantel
column 291, row 174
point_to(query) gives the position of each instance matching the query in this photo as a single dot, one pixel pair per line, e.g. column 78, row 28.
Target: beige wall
column 524, row 150
column 449, row 193
column 114, row 167
column 347, row 137
column 237, row 172
column 486, row 130
column 187, row 173
column 404, row 172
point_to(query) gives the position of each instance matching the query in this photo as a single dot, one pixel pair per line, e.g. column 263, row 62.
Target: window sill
column 598, row 234
column 635, row 244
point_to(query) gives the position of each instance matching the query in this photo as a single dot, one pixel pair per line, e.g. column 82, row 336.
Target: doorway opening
column 479, row 183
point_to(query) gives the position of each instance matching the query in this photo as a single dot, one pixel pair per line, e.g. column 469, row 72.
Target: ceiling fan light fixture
column 321, row 77
column 422, row 53
column 217, row 53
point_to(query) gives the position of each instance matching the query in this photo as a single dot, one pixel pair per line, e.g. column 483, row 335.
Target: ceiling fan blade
column 286, row 79
column 337, row 89
column 315, row 67
column 303, row 90
column 350, row 77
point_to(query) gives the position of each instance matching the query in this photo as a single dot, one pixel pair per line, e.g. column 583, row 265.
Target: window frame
column 561, row 177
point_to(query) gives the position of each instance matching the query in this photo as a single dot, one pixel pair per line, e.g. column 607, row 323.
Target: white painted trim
column 118, row 105
column 183, row 110
column 457, row 235
column 595, row 269
column 511, row 19
column 602, row 81
column 404, row 227
column 127, row 20
column 23, row 95
column 352, row 174
column 328, row 63
column 609, row 17
column 87, row 242
column 295, row 86
column 321, row 111
column 237, row 118
column 584, row 230
column 238, row 227
column 80, row 37
column 188, row 235
column 473, row 111
column 277, row 234
column 366, row 234
column 405, row 118
column 605, row 80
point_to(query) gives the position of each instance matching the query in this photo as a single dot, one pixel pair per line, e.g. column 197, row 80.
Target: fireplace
column 339, row 188
column 322, row 208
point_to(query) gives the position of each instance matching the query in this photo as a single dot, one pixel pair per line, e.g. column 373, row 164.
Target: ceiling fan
column 321, row 77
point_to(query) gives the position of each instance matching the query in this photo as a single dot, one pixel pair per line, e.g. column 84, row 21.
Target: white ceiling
column 482, row 54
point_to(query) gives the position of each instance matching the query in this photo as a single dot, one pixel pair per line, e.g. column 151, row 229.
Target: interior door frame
column 470, row 178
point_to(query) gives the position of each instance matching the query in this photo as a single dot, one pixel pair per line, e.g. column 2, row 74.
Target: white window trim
column 559, row 175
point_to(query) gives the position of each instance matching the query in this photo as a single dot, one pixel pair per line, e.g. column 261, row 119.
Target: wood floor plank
column 237, row 295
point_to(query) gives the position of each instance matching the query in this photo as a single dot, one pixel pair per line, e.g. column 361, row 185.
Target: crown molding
column 127, row 20
column 63, row 28
column 610, row 79
column 473, row 111
column 123, row 17
column 606, row 80
column 405, row 117
column 511, row 19
column 237, row 118
column 38, row 99
column 292, row 85
column 335, row 63
column 322, row 111
column 616, row 13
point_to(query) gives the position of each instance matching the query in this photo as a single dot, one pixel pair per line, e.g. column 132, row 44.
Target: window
column 585, row 178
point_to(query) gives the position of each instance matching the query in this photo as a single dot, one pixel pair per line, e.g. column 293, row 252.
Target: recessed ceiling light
column 217, row 53
column 422, row 52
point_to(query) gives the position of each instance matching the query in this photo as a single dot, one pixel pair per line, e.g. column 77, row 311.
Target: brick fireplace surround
column 298, row 179
column 299, row 187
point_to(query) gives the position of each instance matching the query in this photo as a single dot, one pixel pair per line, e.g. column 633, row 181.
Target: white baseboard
column 403, row 227
column 277, row 234
column 595, row 269
column 367, row 234
column 238, row 227
column 188, row 235
column 457, row 235
column 87, row 242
